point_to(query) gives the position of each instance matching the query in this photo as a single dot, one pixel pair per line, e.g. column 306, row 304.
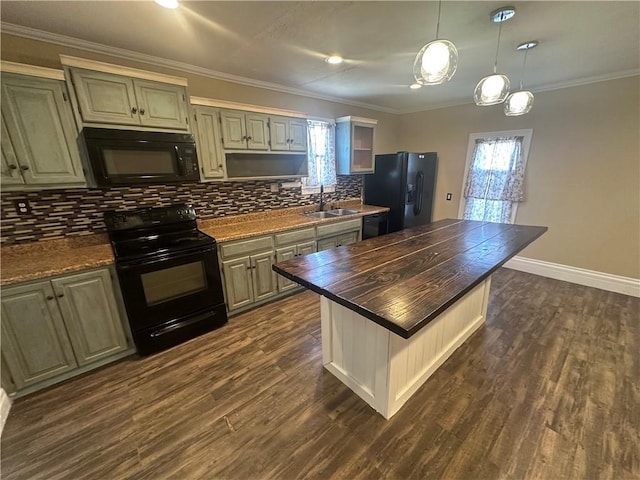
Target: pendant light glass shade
column 437, row 61
column 520, row 102
column 491, row 90
column 494, row 88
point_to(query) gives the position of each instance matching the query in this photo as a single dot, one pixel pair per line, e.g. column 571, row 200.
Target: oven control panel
column 148, row 217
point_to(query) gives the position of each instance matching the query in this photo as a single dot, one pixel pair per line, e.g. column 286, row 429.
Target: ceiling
column 282, row 45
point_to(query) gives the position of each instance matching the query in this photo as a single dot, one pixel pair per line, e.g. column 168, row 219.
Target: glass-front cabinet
column 354, row 145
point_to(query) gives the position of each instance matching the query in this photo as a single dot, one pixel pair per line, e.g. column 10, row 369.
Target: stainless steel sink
column 342, row 211
column 319, row 214
column 337, row 212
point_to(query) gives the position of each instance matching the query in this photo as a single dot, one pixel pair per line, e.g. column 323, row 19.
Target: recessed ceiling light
column 415, row 86
column 168, row 3
column 333, row 59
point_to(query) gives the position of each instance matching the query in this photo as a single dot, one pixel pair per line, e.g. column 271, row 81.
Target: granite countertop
column 36, row 260
column 404, row 280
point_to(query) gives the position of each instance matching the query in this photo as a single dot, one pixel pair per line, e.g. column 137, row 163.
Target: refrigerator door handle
column 417, row 206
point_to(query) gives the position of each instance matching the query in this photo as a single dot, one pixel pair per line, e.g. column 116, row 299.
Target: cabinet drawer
column 339, row 227
column 295, row 236
column 245, row 247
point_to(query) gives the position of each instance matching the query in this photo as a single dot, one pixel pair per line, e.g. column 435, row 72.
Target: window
column 321, row 157
column 494, row 175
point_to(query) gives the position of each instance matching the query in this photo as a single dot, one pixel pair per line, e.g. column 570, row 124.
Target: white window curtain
column 322, row 157
column 495, row 179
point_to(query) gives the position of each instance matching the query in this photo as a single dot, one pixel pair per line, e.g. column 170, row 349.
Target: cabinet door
column 279, row 133
column 234, row 133
column 35, row 345
column 9, row 171
column 264, row 278
column 42, row 130
column 347, row 238
column 306, row 248
column 209, row 137
column 257, row 128
column 161, row 105
column 327, row 243
column 237, row 282
column 91, row 315
column 283, row 254
column 105, row 98
column 362, row 159
column 298, row 135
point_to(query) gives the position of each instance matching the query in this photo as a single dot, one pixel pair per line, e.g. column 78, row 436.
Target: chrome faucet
column 321, row 206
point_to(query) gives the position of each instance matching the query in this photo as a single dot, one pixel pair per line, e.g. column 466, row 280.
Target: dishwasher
column 374, row 225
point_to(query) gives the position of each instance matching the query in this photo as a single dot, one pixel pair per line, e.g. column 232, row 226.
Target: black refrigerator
column 405, row 182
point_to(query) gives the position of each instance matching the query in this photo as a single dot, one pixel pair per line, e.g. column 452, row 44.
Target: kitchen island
column 395, row 307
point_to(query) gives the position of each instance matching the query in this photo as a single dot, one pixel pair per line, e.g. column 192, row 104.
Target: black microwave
column 128, row 157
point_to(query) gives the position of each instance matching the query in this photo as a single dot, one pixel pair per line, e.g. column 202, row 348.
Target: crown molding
column 32, row 33
column 31, row 70
column 213, row 102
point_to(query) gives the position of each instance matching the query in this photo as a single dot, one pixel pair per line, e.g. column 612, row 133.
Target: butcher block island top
column 404, row 280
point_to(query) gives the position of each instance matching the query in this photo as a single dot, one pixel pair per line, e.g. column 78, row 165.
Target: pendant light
column 437, row 61
column 494, row 88
column 520, row 102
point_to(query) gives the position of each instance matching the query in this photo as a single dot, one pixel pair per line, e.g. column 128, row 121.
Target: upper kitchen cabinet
column 354, row 145
column 244, row 130
column 118, row 97
column 209, row 143
column 288, row 134
column 39, row 148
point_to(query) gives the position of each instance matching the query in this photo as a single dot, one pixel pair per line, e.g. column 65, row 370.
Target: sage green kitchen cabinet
column 38, row 134
column 338, row 234
column 244, row 130
column 246, row 270
column 35, row 344
column 354, row 145
column 91, row 315
column 109, row 99
column 209, row 143
column 291, row 244
column 55, row 329
column 288, row 134
column 9, row 171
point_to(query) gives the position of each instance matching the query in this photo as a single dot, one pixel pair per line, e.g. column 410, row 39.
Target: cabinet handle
column 249, row 267
column 244, row 137
column 142, row 111
column 60, row 295
column 220, row 166
column 249, row 138
column 13, row 167
column 49, row 297
column 134, row 110
column 24, row 167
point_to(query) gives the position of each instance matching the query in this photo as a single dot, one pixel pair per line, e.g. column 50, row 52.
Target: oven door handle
column 177, row 325
column 175, row 256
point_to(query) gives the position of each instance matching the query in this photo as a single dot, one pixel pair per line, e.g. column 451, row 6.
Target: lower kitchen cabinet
column 338, row 234
column 53, row 329
column 291, row 244
column 247, row 273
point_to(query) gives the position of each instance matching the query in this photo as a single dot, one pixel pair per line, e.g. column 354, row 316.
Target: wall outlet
column 275, row 188
column 23, row 207
column 448, row 196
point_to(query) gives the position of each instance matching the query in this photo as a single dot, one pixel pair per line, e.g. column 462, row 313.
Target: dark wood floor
column 548, row 388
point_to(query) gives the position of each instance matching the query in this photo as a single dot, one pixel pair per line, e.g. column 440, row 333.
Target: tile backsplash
column 62, row 213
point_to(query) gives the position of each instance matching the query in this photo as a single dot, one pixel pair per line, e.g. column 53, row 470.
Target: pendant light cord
column 495, row 65
column 438, row 24
column 524, row 64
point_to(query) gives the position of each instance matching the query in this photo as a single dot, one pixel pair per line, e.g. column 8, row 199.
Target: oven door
column 172, row 286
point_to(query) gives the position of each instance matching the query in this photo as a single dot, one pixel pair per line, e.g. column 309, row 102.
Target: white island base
column 385, row 369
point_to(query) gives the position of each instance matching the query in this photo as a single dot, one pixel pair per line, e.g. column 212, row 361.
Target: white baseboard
column 5, row 406
column 581, row 276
